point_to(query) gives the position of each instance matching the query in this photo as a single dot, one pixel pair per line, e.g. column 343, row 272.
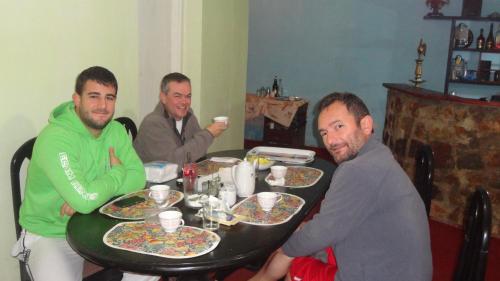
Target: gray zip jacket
column 373, row 218
column 159, row 140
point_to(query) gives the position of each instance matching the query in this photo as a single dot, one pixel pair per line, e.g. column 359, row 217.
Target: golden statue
column 421, row 49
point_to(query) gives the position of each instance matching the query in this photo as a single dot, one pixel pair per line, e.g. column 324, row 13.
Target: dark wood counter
column 434, row 95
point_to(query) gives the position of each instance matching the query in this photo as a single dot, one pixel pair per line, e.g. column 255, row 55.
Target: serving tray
column 285, row 155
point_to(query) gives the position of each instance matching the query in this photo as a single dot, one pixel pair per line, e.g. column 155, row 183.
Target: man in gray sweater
column 172, row 131
column 372, row 216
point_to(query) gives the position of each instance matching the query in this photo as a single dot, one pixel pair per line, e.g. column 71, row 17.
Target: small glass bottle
column 480, row 40
column 497, row 38
column 276, row 88
column 490, row 43
column 280, row 87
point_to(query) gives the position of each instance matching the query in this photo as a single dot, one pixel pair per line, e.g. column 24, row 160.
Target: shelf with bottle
column 475, row 82
column 492, row 51
column 460, row 18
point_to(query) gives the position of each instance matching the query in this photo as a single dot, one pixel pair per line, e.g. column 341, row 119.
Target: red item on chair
column 312, row 269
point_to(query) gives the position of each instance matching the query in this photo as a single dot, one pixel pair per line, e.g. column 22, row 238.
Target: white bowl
column 266, row 166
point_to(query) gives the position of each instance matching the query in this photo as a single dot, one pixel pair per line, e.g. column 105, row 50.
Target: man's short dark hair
column 96, row 73
column 174, row 76
column 353, row 103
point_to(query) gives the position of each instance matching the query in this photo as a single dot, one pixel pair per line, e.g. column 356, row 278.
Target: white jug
column 244, row 178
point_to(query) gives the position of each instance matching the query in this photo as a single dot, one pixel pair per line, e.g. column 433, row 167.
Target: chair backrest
column 129, row 126
column 474, row 253
column 23, row 153
column 424, row 174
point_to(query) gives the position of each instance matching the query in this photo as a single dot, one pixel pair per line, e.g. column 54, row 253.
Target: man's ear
column 76, row 99
column 367, row 125
column 163, row 97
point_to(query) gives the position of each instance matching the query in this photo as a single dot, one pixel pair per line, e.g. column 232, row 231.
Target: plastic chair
column 474, row 253
column 424, row 174
column 129, row 126
column 22, row 153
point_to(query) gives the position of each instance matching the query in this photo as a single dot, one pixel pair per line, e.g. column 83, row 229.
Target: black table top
column 240, row 244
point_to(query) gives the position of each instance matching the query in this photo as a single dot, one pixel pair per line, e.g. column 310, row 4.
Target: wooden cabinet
column 292, row 136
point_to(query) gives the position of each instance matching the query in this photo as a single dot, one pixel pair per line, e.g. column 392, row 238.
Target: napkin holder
column 160, row 171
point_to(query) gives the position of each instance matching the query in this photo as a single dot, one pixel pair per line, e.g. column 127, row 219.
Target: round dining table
column 240, row 244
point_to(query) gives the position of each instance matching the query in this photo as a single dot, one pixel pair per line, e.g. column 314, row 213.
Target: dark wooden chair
column 23, row 153
column 129, row 126
column 424, row 174
column 474, row 252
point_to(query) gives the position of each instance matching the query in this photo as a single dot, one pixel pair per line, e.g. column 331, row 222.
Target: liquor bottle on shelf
column 281, row 89
column 490, row 44
column 497, row 38
column 480, row 40
column 276, row 88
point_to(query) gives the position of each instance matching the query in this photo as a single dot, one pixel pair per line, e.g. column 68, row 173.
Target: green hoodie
column 70, row 165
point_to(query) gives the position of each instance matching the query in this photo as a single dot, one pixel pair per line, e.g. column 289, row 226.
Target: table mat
column 250, row 212
column 139, row 211
column 208, row 167
column 150, row 239
column 299, row 176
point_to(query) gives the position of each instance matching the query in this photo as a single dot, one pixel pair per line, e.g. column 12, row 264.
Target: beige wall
column 214, row 56
column 45, row 44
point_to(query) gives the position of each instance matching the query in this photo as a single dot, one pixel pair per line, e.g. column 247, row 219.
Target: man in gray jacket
column 172, row 131
column 372, row 216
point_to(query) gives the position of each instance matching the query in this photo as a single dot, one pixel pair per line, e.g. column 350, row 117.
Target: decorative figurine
column 422, row 47
column 436, row 5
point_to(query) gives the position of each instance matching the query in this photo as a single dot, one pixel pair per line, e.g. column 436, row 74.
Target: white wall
column 160, row 48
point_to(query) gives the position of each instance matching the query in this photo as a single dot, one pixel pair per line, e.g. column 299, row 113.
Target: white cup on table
column 267, row 200
column 170, row 220
column 159, row 193
column 278, row 172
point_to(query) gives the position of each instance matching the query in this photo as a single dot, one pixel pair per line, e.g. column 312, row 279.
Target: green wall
column 44, row 45
column 215, row 55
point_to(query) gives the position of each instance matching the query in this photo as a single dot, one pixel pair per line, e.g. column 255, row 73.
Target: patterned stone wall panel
column 465, row 138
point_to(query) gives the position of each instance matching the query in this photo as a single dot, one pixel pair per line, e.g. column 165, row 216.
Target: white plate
column 286, row 155
column 230, row 160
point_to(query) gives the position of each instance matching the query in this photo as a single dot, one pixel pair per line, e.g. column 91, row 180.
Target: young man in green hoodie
column 80, row 160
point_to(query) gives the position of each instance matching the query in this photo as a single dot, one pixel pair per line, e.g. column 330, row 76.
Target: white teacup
column 159, row 193
column 221, row 119
column 278, row 172
column 170, row 220
column 267, row 200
